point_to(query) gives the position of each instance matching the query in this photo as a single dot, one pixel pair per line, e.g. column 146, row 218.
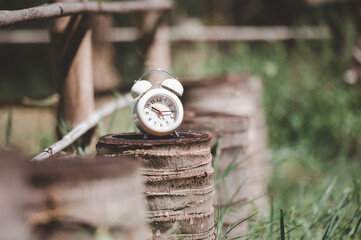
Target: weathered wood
column 72, row 197
column 73, row 8
column 233, row 128
column 187, row 33
column 239, row 95
column 247, row 33
column 178, row 181
column 231, row 131
column 72, row 70
column 11, row 197
column 106, row 78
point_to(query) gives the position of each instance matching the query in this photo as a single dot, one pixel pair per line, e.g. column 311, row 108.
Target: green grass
column 314, row 121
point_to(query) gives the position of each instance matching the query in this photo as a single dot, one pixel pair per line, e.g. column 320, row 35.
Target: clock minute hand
column 169, row 111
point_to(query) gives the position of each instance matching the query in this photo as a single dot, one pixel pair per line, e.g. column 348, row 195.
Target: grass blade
column 282, row 227
column 9, row 126
column 325, row 235
column 235, row 225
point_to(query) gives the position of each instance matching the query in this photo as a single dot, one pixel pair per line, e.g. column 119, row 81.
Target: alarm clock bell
column 139, row 88
column 173, row 85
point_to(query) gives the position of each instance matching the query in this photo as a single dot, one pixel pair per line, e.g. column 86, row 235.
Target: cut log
column 231, row 131
column 238, row 95
column 12, row 193
column 178, row 179
column 77, row 198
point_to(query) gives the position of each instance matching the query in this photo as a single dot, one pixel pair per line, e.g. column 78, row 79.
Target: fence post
column 155, row 43
column 72, row 68
column 105, row 75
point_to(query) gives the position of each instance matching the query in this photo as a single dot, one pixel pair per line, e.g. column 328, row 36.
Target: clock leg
column 145, row 136
column 176, row 134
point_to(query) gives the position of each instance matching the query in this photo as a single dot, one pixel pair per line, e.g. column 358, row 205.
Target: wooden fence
column 71, row 47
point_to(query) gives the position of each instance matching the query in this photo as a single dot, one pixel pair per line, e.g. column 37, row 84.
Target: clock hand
column 155, row 109
column 168, row 111
column 158, row 108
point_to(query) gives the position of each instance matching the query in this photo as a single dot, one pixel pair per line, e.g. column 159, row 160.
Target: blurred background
column 307, row 54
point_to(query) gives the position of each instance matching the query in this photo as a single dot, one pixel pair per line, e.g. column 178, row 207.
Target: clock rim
column 141, row 121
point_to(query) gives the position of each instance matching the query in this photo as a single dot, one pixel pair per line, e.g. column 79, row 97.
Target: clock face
column 159, row 112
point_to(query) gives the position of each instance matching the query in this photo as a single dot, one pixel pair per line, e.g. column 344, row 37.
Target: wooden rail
column 70, row 8
column 178, row 34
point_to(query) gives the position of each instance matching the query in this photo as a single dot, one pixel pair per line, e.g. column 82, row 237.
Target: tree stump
column 85, row 198
column 231, row 131
column 238, row 95
column 178, row 177
column 11, row 197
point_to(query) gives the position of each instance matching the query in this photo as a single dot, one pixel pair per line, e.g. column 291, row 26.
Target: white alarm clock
column 158, row 112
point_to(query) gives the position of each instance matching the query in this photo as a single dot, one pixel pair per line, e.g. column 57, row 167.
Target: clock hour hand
column 155, row 109
column 169, row 111
column 158, row 111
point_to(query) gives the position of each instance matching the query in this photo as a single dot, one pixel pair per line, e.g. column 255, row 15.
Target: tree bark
column 178, row 179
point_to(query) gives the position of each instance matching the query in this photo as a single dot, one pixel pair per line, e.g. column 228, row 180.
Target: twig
column 84, row 126
column 68, row 8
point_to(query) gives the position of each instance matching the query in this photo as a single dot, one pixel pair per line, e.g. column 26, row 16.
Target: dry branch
column 84, row 126
column 129, row 34
column 70, row 8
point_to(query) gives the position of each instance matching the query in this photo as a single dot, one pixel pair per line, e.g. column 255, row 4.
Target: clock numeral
column 152, row 101
column 167, row 122
column 155, row 123
column 146, row 113
column 149, row 119
column 169, row 105
column 161, row 125
column 171, row 117
column 159, row 99
column 165, row 100
column 147, row 106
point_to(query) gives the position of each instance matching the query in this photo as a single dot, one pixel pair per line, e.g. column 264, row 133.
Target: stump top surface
column 200, row 116
column 230, row 79
column 73, row 169
column 136, row 139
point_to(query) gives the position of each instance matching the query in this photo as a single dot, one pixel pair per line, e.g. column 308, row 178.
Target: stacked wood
column 231, row 132
column 178, row 177
column 238, row 95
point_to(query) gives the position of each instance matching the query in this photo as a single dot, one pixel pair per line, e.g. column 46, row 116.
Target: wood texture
column 12, row 193
column 72, row 198
column 80, row 196
column 178, row 181
column 231, row 131
column 106, row 78
column 73, row 8
column 72, row 70
column 238, row 95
